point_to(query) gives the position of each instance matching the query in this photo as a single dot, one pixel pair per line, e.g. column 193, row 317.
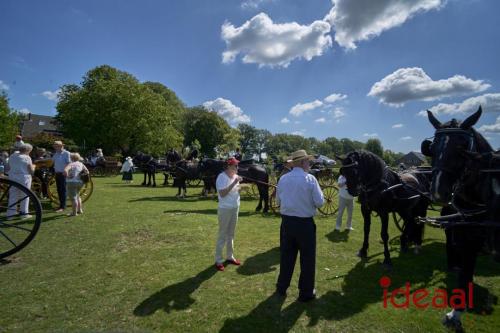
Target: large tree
column 175, row 106
column 207, row 127
column 248, row 138
column 112, row 110
column 9, row 122
column 375, row 146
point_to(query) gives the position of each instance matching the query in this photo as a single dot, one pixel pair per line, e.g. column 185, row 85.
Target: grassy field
column 140, row 260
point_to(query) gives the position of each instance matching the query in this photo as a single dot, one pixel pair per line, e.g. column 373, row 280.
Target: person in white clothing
column 127, row 170
column 346, row 200
column 74, row 182
column 20, row 169
column 228, row 188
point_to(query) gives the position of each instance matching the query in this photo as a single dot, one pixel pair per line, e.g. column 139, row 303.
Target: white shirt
column 342, row 181
column 127, row 166
column 232, row 199
column 299, row 194
column 74, row 170
column 18, row 165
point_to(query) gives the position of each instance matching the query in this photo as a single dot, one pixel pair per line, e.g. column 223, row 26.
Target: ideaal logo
column 423, row 298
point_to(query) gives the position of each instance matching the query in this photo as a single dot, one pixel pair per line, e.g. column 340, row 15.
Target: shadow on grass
column 209, row 211
column 191, row 198
column 360, row 288
column 261, row 263
column 337, row 236
column 174, row 297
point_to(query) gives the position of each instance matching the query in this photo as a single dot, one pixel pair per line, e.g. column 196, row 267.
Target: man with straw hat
column 61, row 159
column 298, row 195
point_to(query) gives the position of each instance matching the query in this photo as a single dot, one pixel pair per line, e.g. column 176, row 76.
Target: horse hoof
column 404, row 248
column 362, row 254
column 258, row 209
column 417, row 249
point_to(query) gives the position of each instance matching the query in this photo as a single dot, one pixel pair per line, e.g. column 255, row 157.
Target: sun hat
column 299, row 155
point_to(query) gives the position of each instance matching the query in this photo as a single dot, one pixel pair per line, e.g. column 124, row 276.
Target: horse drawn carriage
column 104, row 166
column 44, row 183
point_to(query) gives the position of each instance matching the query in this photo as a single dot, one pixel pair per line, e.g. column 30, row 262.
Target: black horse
column 172, row 157
column 183, row 171
column 383, row 191
column 148, row 165
column 248, row 170
column 465, row 178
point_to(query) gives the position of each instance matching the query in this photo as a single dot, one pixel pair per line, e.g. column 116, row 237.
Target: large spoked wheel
column 331, row 200
column 193, row 182
column 398, row 220
column 20, row 217
column 85, row 192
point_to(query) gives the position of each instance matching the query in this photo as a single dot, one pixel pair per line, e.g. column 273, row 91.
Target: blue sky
column 272, row 63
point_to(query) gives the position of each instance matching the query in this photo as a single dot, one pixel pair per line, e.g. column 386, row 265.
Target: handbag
column 85, row 176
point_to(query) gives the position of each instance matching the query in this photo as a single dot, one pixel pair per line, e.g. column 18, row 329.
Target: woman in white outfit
column 20, row 169
column 228, row 188
column 345, row 201
column 74, row 183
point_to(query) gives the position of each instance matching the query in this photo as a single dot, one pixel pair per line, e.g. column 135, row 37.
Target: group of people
column 298, row 196
column 68, row 170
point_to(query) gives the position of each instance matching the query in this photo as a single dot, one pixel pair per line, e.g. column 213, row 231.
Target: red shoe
column 234, row 262
column 220, row 267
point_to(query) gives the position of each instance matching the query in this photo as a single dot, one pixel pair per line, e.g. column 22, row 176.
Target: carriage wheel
column 98, row 171
column 85, row 192
column 16, row 230
column 272, row 200
column 330, row 194
column 398, row 220
column 254, row 190
column 36, row 187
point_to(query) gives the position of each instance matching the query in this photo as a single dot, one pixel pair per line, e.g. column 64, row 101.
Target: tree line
column 113, row 110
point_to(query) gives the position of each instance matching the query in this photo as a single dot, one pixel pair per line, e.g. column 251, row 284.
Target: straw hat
column 298, row 156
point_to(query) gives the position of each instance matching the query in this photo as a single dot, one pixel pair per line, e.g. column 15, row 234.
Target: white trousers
column 227, row 224
column 15, row 195
column 345, row 203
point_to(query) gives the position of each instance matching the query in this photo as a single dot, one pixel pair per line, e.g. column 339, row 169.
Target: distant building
column 413, row 158
column 35, row 124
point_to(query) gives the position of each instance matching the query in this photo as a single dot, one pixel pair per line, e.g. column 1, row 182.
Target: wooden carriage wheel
column 17, row 228
column 273, row 205
column 36, row 187
column 331, row 200
column 85, row 192
column 193, row 182
column 326, row 178
column 398, row 220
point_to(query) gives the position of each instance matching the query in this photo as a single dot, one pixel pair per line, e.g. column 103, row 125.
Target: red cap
column 232, row 161
column 18, row 137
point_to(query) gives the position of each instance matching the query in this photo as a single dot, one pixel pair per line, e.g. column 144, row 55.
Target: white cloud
column 493, row 128
column 407, row 84
column 370, row 135
column 263, row 42
column 405, row 138
column 300, row 108
column 24, row 110
column 334, row 98
column 227, row 110
column 320, row 120
column 253, row 4
column 301, row 132
column 337, row 114
column 397, row 125
column 285, row 120
column 489, row 102
column 51, row 95
column 359, row 20
column 3, row 86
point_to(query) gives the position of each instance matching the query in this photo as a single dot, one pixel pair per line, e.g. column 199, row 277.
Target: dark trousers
column 297, row 235
column 61, row 189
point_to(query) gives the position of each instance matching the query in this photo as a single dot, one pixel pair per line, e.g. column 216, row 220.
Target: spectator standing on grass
column 74, row 183
column 20, row 169
column 298, row 196
column 346, row 200
column 228, row 188
column 61, row 159
column 127, row 170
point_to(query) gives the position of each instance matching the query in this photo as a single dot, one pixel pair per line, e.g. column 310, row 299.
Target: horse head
column 455, row 144
column 350, row 170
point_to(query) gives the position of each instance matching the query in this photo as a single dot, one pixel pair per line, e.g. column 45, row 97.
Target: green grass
column 140, row 260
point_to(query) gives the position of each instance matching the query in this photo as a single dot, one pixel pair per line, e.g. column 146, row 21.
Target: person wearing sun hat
column 61, row 159
column 227, row 185
column 298, row 195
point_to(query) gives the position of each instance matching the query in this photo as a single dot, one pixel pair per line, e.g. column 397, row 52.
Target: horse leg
column 419, row 227
column 384, row 234
column 165, row 179
column 144, row 182
column 407, row 231
column 266, row 198
column 363, row 252
column 259, row 206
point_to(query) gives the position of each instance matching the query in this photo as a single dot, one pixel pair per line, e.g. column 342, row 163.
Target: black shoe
column 305, row 299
